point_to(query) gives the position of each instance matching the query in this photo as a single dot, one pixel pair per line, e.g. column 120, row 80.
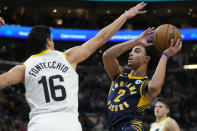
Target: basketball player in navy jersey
column 163, row 121
column 50, row 76
column 131, row 93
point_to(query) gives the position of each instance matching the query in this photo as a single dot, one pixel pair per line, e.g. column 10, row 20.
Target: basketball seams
column 155, row 36
column 157, row 44
column 166, row 37
column 176, row 35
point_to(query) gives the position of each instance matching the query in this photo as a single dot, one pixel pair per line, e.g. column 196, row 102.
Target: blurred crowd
column 179, row 89
column 79, row 18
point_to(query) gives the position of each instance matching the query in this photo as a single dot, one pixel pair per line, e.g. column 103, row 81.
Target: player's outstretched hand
column 174, row 48
column 2, row 21
column 144, row 36
column 138, row 9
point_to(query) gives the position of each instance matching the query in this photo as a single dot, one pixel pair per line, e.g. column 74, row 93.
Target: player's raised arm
column 78, row 54
column 110, row 56
column 155, row 84
column 13, row 76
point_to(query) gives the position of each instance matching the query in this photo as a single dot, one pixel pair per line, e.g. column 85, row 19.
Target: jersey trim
column 41, row 53
column 157, row 123
column 136, row 77
column 64, row 55
column 116, row 78
column 165, row 123
column 142, row 87
column 143, row 100
column 25, row 64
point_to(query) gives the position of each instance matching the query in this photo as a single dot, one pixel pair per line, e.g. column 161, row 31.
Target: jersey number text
column 53, row 88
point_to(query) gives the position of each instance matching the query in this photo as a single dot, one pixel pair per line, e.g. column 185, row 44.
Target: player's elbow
column 107, row 55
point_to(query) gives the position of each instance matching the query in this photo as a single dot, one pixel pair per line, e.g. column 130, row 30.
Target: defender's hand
column 144, row 36
column 173, row 49
column 135, row 10
column 2, row 21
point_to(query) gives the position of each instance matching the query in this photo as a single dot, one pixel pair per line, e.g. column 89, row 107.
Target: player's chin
column 157, row 114
column 130, row 65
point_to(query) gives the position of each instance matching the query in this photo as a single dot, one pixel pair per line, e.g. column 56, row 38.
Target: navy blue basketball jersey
column 126, row 100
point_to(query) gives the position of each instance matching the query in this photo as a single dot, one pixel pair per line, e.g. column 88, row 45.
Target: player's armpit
column 150, row 92
column 14, row 76
column 145, row 90
column 75, row 55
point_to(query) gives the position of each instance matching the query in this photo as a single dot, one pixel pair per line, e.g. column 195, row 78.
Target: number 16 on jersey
column 53, row 88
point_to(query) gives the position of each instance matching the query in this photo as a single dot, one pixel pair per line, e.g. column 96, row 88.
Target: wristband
column 165, row 54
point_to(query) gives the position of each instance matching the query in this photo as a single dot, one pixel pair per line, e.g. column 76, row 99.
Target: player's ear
column 48, row 42
column 147, row 58
column 168, row 110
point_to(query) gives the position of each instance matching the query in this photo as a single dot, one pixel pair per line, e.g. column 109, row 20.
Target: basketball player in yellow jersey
column 50, row 76
column 131, row 92
column 163, row 122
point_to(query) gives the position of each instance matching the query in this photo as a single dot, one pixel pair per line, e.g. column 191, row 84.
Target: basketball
column 163, row 35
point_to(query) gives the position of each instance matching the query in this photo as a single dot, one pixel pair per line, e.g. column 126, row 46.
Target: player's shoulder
column 152, row 124
column 170, row 121
column 120, row 76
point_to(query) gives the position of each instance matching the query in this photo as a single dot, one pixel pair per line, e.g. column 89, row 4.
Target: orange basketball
column 163, row 35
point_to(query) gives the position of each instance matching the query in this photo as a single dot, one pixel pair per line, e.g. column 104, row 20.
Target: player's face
column 161, row 109
column 136, row 57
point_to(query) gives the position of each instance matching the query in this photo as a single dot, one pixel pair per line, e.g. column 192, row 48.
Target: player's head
column 39, row 38
column 139, row 56
column 161, row 107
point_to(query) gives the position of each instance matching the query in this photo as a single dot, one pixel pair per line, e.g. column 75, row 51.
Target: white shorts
column 55, row 122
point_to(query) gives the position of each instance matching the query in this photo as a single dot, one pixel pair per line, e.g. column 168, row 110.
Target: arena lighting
column 193, row 66
column 13, row 31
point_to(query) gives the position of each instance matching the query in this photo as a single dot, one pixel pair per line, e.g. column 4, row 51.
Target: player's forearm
column 3, row 81
column 158, row 78
column 117, row 50
column 107, row 32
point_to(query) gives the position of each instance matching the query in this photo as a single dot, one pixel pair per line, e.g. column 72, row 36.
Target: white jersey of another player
column 159, row 126
column 51, row 87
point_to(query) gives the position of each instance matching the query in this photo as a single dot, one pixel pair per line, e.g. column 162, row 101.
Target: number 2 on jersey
column 121, row 93
column 53, row 88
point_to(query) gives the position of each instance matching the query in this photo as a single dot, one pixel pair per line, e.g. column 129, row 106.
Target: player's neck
column 49, row 47
column 141, row 71
column 159, row 119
